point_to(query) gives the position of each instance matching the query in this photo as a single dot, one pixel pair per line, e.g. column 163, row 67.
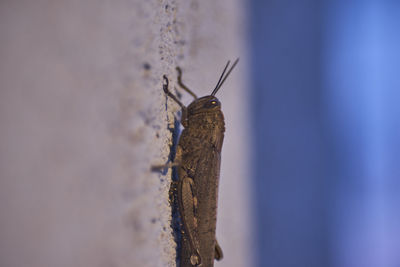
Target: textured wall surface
column 83, row 117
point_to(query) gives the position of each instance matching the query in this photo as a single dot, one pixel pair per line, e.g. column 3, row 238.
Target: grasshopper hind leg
column 218, row 251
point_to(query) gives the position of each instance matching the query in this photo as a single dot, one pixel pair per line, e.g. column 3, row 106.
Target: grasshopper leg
column 166, row 91
column 184, row 87
column 156, row 168
column 218, row 251
column 188, row 202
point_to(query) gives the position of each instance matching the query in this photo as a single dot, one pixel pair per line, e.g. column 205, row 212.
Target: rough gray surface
column 83, row 117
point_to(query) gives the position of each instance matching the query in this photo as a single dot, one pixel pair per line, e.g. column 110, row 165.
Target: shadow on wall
column 325, row 123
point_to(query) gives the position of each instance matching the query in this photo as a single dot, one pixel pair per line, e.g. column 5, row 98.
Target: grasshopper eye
column 212, row 103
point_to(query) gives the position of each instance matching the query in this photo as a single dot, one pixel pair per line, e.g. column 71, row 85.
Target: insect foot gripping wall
column 84, row 116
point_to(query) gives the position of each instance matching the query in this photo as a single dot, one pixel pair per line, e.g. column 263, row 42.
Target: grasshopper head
column 209, row 104
column 205, row 104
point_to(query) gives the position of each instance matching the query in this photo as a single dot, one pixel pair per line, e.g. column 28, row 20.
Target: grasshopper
column 198, row 160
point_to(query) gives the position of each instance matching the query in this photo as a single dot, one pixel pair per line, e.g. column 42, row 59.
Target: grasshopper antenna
column 220, row 78
column 219, row 84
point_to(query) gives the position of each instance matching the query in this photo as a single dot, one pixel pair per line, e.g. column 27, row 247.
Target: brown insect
column 198, row 159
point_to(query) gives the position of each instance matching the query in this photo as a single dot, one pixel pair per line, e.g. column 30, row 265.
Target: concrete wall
column 83, row 117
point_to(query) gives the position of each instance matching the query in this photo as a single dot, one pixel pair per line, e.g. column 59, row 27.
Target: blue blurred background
column 325, row 79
